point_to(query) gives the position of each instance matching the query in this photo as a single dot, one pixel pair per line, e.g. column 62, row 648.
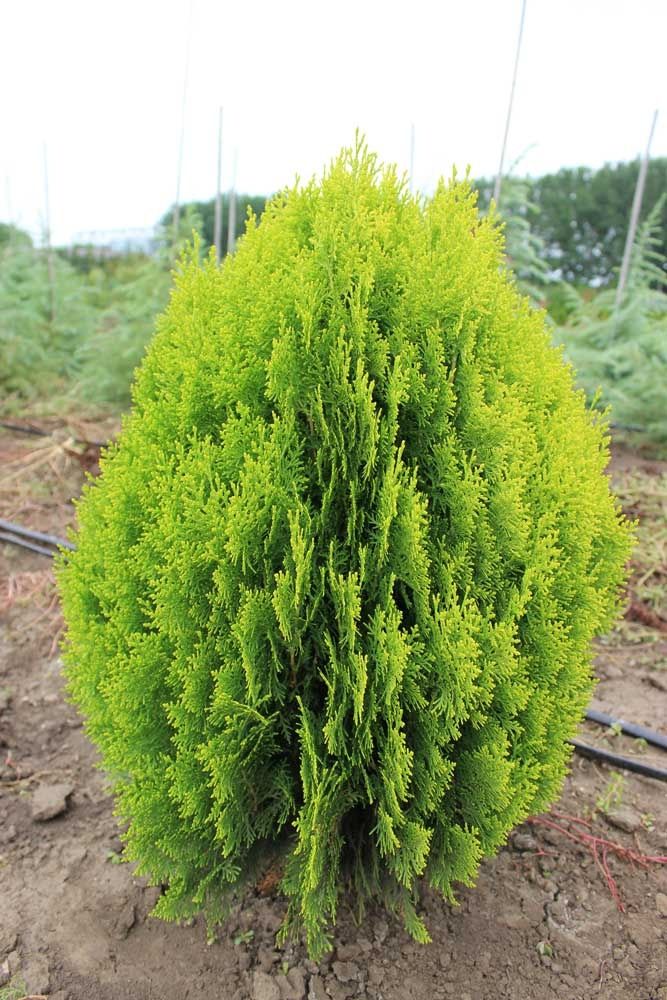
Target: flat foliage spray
column 334, row 593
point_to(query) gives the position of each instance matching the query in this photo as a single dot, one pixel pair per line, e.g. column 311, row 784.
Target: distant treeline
column 200, row 215
column 581, row 216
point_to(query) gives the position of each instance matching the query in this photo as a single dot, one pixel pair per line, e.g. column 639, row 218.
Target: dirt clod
column 340, row 991
column 381, row 931
column 375, row 974
column 14, row 962
column 346, row 972
column 6, row 836
column 267, row 958
column 8, row 941
column 348, row 952
column 125, row 920
column 524, row 842
column 292, row 986
column 317, row 989
column 264, row 987
column 35, row 974
column 49, row 801
column 624, row 818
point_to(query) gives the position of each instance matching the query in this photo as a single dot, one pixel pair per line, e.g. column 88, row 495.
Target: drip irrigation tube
column 630, row 728
column 625, row 763
column 38, row 432
column 6, row 536
column 628, row 427
column 36, row 541
column 23, row 429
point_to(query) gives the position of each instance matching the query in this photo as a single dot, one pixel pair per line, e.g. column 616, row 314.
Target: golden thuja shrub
column 334, row 593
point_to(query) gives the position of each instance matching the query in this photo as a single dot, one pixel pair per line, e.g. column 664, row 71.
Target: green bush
column 69, row 334
column 43, row 318
column 620, row 350
column 334, row 593
column 123, row 304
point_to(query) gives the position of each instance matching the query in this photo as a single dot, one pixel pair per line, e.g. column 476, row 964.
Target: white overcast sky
column 101, row 85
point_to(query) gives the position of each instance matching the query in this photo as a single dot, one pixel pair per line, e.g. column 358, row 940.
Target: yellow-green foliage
column 335, row 590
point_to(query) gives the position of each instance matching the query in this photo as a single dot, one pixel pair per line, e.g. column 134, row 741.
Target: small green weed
column 648, row 821
column 244, row 937
column 14, row 990
column 612, row 795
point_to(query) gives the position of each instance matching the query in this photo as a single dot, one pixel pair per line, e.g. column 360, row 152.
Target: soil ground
column 541, row 923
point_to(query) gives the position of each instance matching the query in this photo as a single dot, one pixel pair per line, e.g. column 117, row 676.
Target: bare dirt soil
column 541, row 923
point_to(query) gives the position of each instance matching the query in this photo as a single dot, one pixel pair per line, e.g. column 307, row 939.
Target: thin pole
column 634, row 216
column 499, row 175
column 8, row 195
column 181, row 144
column 231, row 217
column 217, row 228
column 10, row 211
column 47, row 240
column 412, row 157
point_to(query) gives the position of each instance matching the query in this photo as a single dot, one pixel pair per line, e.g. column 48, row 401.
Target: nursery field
column 572, row 907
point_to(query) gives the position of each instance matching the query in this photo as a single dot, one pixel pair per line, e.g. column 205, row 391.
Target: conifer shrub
column 334, row 593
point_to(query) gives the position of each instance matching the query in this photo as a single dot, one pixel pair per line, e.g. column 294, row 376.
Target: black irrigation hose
column 631, row 728
column 37, row 432
column 36, row 536
column 628, row 427
column 36, row 541
column 6, row 536
column 23, row 429
column 626, row 763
